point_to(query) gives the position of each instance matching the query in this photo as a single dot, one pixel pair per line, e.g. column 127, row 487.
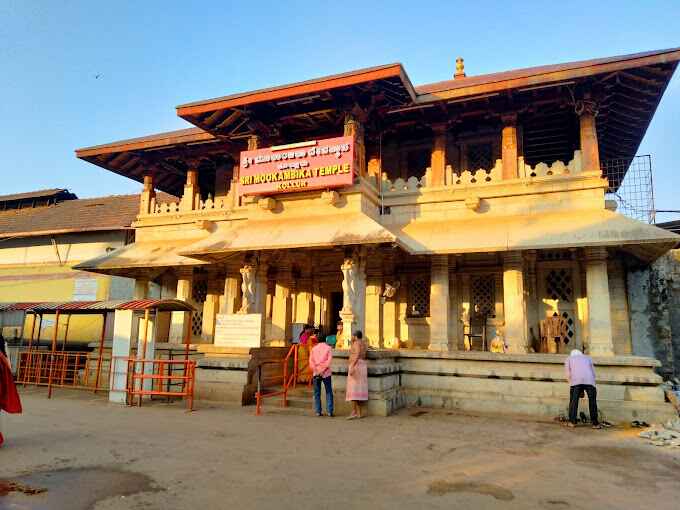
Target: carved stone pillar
column 179, row 326
column 191, row 195
column 148, row 196
column 373, row 314
column 590, row 153
column 354, row 295
column 438, row 157
column 210, row 308
column 390, row 298
column 163, row 319
column 355, row 128
column 282, row 305
column 439, row 304
column 230, row 294
column 514, row 303
column 304, row 304
column 509, row 147
column 599, row 304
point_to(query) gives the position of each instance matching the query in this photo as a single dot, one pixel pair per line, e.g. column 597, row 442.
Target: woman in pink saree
column 357, row 375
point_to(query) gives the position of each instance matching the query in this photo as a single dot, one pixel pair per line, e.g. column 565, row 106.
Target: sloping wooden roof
column 629, row 88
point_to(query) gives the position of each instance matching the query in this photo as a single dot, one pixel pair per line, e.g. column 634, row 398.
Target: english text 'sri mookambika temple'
column 461, row 225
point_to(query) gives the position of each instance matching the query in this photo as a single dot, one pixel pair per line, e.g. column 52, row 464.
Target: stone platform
column 524, row 384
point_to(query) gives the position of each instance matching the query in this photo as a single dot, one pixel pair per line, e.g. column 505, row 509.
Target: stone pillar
column 304, row 303
column 532, row 303
column 210, row 308
column 230, row 294
column 354, row 295
column 319, row 303
column 599, row 305
column 590, row 154
column 454, row 304
column 282, row 305
column 390, row 297
column 180, row 320
column 191, row 196
column 509, row 147
column 373, row 314
column 163, row 319
column 439, row 304
column 514, row 303
column 438, row 157
column 353, row 127
column 148, row 196
column 141, row 288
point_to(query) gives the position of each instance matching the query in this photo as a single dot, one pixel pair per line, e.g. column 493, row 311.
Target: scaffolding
column 631, row 186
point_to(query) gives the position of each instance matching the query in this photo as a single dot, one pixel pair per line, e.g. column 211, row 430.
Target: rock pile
column 667, row 434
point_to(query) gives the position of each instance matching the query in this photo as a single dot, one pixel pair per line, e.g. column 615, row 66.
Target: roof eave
column 296, row 89
column 549, row 77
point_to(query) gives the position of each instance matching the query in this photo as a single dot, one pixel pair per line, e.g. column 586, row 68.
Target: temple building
column 446, row 221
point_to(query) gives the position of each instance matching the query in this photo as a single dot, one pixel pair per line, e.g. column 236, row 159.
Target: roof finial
column 460, row 68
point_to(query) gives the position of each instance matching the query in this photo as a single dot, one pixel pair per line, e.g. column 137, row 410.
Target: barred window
column 419, row 298
column 483, row 293
column 199, row 291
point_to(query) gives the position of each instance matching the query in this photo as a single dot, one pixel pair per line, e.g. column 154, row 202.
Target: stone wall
column 654, row 300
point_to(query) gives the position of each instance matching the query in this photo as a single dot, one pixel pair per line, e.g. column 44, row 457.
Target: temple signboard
column 311, row 165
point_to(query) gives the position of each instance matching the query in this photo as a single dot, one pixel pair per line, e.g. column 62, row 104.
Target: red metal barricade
column 158, row 378
column 79, row 370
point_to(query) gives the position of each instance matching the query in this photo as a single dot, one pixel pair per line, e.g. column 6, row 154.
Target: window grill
column 483, row 294
column 199, row 291
column 559, row 285
column 419, row 298
column 631, row 186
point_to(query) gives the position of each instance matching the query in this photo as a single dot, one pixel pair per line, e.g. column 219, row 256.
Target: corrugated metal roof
column 98, row 307
column 15, row 307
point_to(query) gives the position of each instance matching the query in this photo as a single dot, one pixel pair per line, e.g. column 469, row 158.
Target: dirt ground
column 90, row 454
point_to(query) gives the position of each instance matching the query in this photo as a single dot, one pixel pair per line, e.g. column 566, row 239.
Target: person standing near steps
column 581, row 376
column 320, row 360
column 357, row 375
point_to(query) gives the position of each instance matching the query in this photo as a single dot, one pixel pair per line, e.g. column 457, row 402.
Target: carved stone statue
column 247, row 288
column 348, row 284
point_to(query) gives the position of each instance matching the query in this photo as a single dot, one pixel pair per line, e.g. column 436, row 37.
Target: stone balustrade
column 225, row 203
column 481, row 176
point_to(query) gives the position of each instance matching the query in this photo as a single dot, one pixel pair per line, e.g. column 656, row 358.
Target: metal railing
column 78, row 370
column 283, row 382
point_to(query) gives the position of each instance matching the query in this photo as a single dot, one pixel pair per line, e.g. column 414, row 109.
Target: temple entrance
column 335, row 305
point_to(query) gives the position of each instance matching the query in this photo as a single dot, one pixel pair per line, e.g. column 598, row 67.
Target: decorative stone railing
column 482, row 176
column 226, row 203
column 557, row 168
column 451, row 179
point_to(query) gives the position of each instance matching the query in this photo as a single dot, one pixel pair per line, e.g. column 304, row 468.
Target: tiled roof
column 43, row 193
column 115, row 212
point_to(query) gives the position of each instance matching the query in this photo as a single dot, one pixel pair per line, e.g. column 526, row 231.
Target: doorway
column 335, row 305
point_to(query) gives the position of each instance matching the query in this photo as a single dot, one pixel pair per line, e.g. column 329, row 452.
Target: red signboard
column 316, row 164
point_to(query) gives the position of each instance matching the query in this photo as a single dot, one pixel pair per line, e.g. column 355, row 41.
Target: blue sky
column 151, row 56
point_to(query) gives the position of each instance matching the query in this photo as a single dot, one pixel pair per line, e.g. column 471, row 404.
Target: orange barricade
column 160, row 378
column 80, row 370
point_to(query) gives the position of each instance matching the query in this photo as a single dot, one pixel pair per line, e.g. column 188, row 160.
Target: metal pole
column 54, row 347
column 187, row 339
column 28, row 357
column 101, row 353
column 146, row 335
column 68, row 321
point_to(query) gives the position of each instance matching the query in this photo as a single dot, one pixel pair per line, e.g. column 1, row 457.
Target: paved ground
column 90, row 454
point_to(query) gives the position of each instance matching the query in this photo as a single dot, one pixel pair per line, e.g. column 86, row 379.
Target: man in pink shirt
column 320, row 363
column 581, row 376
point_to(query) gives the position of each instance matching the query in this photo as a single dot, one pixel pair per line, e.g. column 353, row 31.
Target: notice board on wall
column 238, row 330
